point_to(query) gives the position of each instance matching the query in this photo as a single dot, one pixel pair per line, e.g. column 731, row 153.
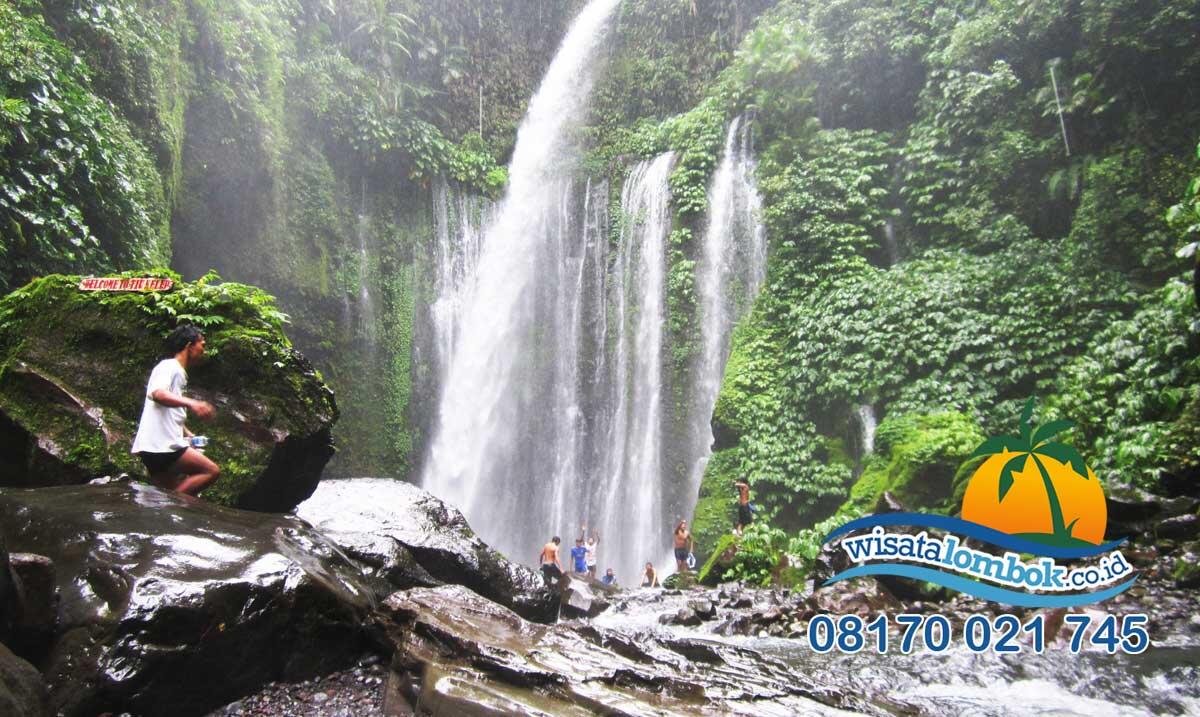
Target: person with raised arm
column 163, row 442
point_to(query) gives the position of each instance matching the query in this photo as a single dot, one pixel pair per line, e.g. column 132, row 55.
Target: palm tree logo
column 1065, row 479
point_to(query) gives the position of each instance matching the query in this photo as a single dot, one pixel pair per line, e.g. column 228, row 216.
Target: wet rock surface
column 406, row 537
column 581, row 597
column 169, row 605
column 22, row 690
column 456, row 653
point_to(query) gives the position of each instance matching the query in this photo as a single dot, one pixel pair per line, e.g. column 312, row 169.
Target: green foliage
column 1128, row 393
column 76, row 189
column 761, row 553
column 1184, row 218
column 916, row 459
column 1119, row 221
column 209, row 303
column 720, row 559
column 774, row 73
column 696, row 137
column 663, row 55
column 947, row 331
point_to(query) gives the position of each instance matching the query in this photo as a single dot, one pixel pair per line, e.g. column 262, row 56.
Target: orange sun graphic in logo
column 1036, row 488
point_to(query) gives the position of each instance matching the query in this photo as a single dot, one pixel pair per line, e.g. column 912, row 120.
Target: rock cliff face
column 73, row 370
column 169, row 605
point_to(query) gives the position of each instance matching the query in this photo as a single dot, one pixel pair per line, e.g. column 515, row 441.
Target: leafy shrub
column 761, row 552
column 1127, row 393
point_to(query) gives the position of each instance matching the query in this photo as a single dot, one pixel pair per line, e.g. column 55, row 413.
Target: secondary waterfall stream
column 549, row 328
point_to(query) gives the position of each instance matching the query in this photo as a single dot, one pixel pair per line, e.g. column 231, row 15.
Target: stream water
column 1164, row 680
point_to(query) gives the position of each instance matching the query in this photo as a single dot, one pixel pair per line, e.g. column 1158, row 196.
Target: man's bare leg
column 198, row 472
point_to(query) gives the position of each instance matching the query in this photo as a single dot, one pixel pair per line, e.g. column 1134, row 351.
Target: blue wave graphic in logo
column 973, row 530
column 982, row 590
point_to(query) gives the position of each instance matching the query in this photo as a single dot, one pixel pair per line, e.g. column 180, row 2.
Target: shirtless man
column 744, row 514
column 684, row 544
column 552, row 569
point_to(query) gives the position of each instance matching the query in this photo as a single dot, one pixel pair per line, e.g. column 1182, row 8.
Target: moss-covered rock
column 918, row 460
column 73, row 370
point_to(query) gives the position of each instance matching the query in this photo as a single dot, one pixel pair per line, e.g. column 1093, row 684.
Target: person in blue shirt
column 579, row 556
column 609, row 578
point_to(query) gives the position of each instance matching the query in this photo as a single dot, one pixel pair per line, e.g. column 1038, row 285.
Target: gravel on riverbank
column 355, row 692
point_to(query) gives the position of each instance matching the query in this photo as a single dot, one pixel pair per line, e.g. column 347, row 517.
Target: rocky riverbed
column 129, row 599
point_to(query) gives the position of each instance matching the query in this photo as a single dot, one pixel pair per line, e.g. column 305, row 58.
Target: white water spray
column 494, row 449
column 729, row 272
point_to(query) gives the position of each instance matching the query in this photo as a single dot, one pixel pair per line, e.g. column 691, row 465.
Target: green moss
column 919, row 460
column 715, row 510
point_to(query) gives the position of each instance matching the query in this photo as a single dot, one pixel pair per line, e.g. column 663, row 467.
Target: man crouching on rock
column 162, row 441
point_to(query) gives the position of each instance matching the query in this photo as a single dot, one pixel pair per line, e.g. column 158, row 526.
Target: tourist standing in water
column 684, row 544
column 163, row 442
column 744, row 514
column 650, row 577
column 552, row 569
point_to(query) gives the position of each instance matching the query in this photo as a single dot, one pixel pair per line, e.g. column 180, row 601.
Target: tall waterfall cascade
column 729, row 271
column 507, row 394
column 549, row 323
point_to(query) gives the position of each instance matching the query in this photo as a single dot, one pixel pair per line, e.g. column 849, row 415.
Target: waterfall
column 634, row 522
column 729, row 270
column 504, row 446
column 866, row 428
column 366, row 305
column 459, row 219
column 889, row 242
column 550, row 335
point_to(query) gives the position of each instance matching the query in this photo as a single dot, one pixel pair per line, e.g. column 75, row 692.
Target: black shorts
column 745, row 515
column 158, row 462
column 681, row 554
column 551, row 571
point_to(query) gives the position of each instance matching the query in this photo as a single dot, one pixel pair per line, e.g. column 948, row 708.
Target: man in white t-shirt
column 163, row 441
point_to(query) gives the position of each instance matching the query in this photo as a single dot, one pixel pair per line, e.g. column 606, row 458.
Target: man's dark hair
column 556, row 540
column 182, row 337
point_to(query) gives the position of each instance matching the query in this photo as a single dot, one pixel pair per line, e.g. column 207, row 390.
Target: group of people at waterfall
column 583, row 558
column 583, row 555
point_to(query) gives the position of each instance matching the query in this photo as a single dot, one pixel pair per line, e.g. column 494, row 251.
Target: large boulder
column 457, row 653
column 22, row 691
column 172, row 605
column 73, row 371
column 410, row 538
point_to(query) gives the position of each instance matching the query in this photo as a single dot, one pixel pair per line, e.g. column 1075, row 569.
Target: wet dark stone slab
column 457, row 653
column 411, row 538
column 169, row 605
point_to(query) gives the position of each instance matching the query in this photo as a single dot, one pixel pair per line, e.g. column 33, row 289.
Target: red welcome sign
column 149, row 283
